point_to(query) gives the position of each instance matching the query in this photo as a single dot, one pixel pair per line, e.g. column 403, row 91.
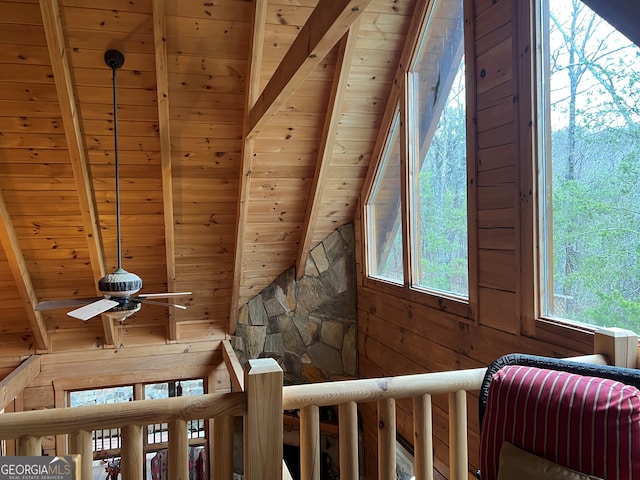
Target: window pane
column 385, row 221
column 104, row 441
column 101, row 396
column 438, row 133
column 592, row 169
column 158, row 433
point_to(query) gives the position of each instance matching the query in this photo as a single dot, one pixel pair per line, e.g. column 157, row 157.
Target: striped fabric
column 588, row 424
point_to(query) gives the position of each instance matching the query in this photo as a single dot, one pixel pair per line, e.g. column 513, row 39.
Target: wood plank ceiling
column 246, row 130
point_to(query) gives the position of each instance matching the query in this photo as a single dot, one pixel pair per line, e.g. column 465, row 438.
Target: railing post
column 263, row 422
column 29, row 446
column 387, row 439
column 310, row 442
column 620, row 345
column 348, row 424
column 132, row 453
column 458, row 454
column 178, row 450
column 423, row 437
column 80, row 443
column 222, row 448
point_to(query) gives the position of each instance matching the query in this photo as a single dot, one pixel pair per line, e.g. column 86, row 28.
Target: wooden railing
column 260, row 397
column 614, row 346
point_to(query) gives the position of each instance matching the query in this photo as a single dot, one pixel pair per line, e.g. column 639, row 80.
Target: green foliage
column 595, row 167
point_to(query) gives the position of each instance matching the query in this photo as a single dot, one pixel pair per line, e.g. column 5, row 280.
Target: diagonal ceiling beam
column 14, row 383
column 345, row 56
column 21, row 276
column 253, row 90
column 162, row 87
column 624, row 15
column 77, row 152
column 328, row 22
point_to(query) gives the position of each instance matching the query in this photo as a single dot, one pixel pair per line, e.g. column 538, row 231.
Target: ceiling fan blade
column 163, row 295
column 151, row 302
column 93, row 309
column 64, row 303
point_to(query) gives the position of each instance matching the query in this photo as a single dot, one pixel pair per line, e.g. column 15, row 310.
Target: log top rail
column 407, row 386
column 140, row 412
column 374, row 389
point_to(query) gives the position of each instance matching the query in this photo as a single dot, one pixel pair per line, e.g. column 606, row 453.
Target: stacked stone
column 308, row 326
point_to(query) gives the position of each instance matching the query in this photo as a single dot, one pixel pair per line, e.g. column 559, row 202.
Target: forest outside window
column 384, row 213
column 434, row 141
column 438, row 141
column 590, row 151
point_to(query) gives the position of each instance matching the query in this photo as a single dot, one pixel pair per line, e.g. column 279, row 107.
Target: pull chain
column 121, row 333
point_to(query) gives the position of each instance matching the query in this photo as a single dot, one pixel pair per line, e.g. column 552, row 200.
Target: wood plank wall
column 61, row 372
column 402, row 332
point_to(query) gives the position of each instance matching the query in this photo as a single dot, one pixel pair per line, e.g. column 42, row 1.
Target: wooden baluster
column 29, row 446
column 132, row 456
column 222, row 448
column 178, row 450
column 620, row 345
column 263, row 422
column 387, row 439
column 458, row 462
column 348, row 423
column 310, row 443
column 423, row 438
column 81, row 442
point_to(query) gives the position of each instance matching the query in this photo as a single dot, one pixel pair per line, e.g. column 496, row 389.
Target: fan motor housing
column 120, row 283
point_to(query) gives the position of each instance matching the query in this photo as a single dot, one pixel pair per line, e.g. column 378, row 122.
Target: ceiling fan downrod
column 119, row 283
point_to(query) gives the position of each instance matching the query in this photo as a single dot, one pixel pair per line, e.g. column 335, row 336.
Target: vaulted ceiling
column 246, row 130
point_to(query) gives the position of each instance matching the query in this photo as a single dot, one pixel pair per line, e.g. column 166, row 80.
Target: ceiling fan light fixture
column 120, row 283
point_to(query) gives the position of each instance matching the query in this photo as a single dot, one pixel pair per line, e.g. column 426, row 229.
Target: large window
column 384, row 213
column 438, row 141
column 431, row 153
column 590, row 149
column 107, row 443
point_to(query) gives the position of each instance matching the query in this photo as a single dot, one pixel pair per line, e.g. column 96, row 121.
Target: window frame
column 64, row 387
column 534, row 179
column 463, row 309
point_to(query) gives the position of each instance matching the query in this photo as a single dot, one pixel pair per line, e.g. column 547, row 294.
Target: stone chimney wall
column 307, row 326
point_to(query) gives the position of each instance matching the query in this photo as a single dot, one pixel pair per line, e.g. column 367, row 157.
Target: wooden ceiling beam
column 21, row 276
column 162, row 88
column 253, row 90
column 52, row 22
column 14, row 383
column 623, row 15
column 338, row 88
column 328, row 22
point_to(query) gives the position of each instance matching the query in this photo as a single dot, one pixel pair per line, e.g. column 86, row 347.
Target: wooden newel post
column 620, row 345
column 458, row 450
column 178, row 450
column 386, row 438
column 132, row 466
column 80, row 443
column 30, row 446
column 310, row 442
column 222, row 448
column 263, row 421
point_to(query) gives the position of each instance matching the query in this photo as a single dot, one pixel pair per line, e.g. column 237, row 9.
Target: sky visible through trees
column 594, row 138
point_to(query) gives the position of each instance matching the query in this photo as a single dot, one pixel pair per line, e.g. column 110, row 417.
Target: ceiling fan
column 119, row 286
